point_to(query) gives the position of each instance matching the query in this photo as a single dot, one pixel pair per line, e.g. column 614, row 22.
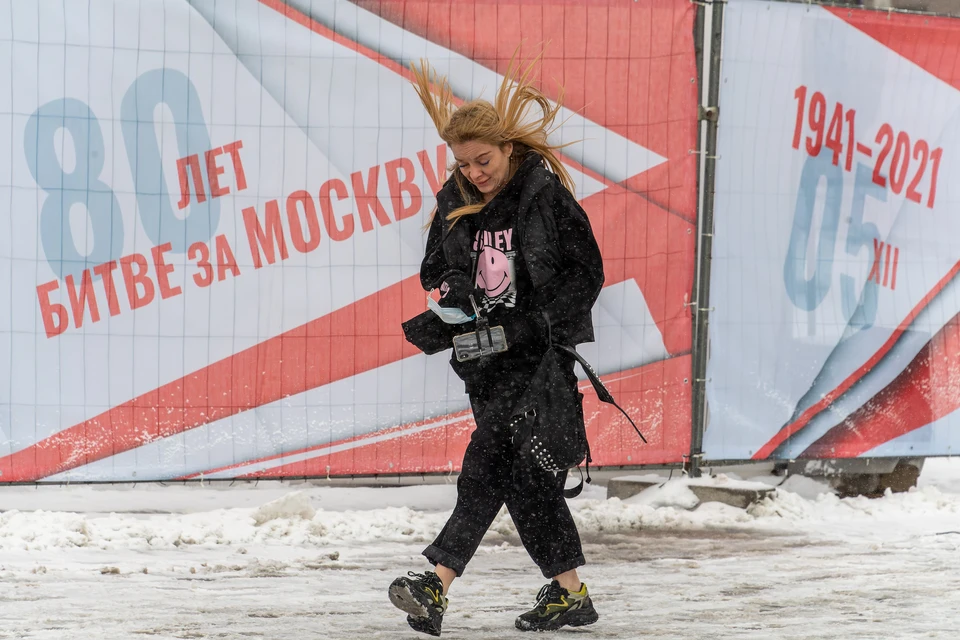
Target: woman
column 509, row 241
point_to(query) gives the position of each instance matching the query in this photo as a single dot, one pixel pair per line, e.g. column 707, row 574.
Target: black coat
column 557, row 243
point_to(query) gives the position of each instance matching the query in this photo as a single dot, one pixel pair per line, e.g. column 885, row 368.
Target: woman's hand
column 455, row 291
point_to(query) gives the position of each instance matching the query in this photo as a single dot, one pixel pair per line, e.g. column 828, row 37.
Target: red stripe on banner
column 456, row 420
column 641, row 241
column 311, row 24
column 349, row 341
column 924, row 392
column 656, row 396
column 433, row 450
column 931, row 43
column 792, row 428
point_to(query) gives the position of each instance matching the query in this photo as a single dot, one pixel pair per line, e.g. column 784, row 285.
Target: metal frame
column 709, row 115
column 841, row 4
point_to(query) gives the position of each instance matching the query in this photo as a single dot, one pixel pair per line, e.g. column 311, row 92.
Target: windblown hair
column 508, row 119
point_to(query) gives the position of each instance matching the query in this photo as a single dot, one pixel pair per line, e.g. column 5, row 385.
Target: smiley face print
column 494, row 254
column 493, row 272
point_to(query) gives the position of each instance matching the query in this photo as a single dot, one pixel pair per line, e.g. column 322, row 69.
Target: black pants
column 487, row 480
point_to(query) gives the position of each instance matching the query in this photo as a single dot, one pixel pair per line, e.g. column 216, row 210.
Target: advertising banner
column 214, row 219
column 836, row 331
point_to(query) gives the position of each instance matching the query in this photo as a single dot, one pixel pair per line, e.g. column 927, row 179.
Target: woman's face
column 486, row 166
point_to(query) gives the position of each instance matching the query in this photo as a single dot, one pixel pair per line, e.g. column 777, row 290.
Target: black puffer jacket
column 557, row 243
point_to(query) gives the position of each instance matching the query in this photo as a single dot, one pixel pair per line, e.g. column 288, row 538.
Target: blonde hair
column 505, row 121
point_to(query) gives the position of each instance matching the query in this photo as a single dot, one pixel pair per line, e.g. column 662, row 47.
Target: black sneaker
column 421, row 597
column 557, row 607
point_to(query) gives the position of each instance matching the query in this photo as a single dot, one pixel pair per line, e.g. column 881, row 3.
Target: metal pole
column 699, row 40
column 709, row 114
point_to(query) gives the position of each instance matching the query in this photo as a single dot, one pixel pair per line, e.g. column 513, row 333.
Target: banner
column 836, row 331
column 216, row 220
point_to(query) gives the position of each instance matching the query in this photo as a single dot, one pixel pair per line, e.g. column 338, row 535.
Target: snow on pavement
column 294, row 561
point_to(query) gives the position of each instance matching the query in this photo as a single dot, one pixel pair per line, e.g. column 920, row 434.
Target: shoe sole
column 574, row 619
column 423, row 625
column 402, row 598
column 584, row 620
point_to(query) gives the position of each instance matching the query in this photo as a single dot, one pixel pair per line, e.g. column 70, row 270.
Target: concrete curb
column 740, row 497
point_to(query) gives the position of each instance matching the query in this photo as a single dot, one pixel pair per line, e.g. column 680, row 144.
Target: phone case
column 467, row 346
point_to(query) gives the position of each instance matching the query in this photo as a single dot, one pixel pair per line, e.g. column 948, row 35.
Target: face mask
column 450, row 315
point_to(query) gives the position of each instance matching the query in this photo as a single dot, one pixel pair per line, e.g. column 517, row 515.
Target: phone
column 482, row 342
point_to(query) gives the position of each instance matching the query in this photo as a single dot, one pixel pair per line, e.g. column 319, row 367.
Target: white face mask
column 450, row 315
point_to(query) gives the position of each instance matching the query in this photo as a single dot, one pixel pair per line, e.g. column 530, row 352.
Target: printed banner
column 836, row 330
column 216, row 221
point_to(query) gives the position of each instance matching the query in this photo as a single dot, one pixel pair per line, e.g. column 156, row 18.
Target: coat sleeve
column 434, row 268
column 572, row 275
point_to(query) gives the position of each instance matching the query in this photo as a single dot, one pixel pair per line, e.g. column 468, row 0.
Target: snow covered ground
column 285, row 561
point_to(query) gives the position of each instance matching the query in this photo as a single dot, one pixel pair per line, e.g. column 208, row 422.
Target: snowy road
column 282, row 562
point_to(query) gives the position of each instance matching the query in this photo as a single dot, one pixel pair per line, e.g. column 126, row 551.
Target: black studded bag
column 547, row 425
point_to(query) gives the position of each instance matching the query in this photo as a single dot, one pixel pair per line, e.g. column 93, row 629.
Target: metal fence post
column 709, row 114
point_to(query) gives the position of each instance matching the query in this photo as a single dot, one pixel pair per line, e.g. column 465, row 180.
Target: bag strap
column 573, row 492
column 602, row 392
